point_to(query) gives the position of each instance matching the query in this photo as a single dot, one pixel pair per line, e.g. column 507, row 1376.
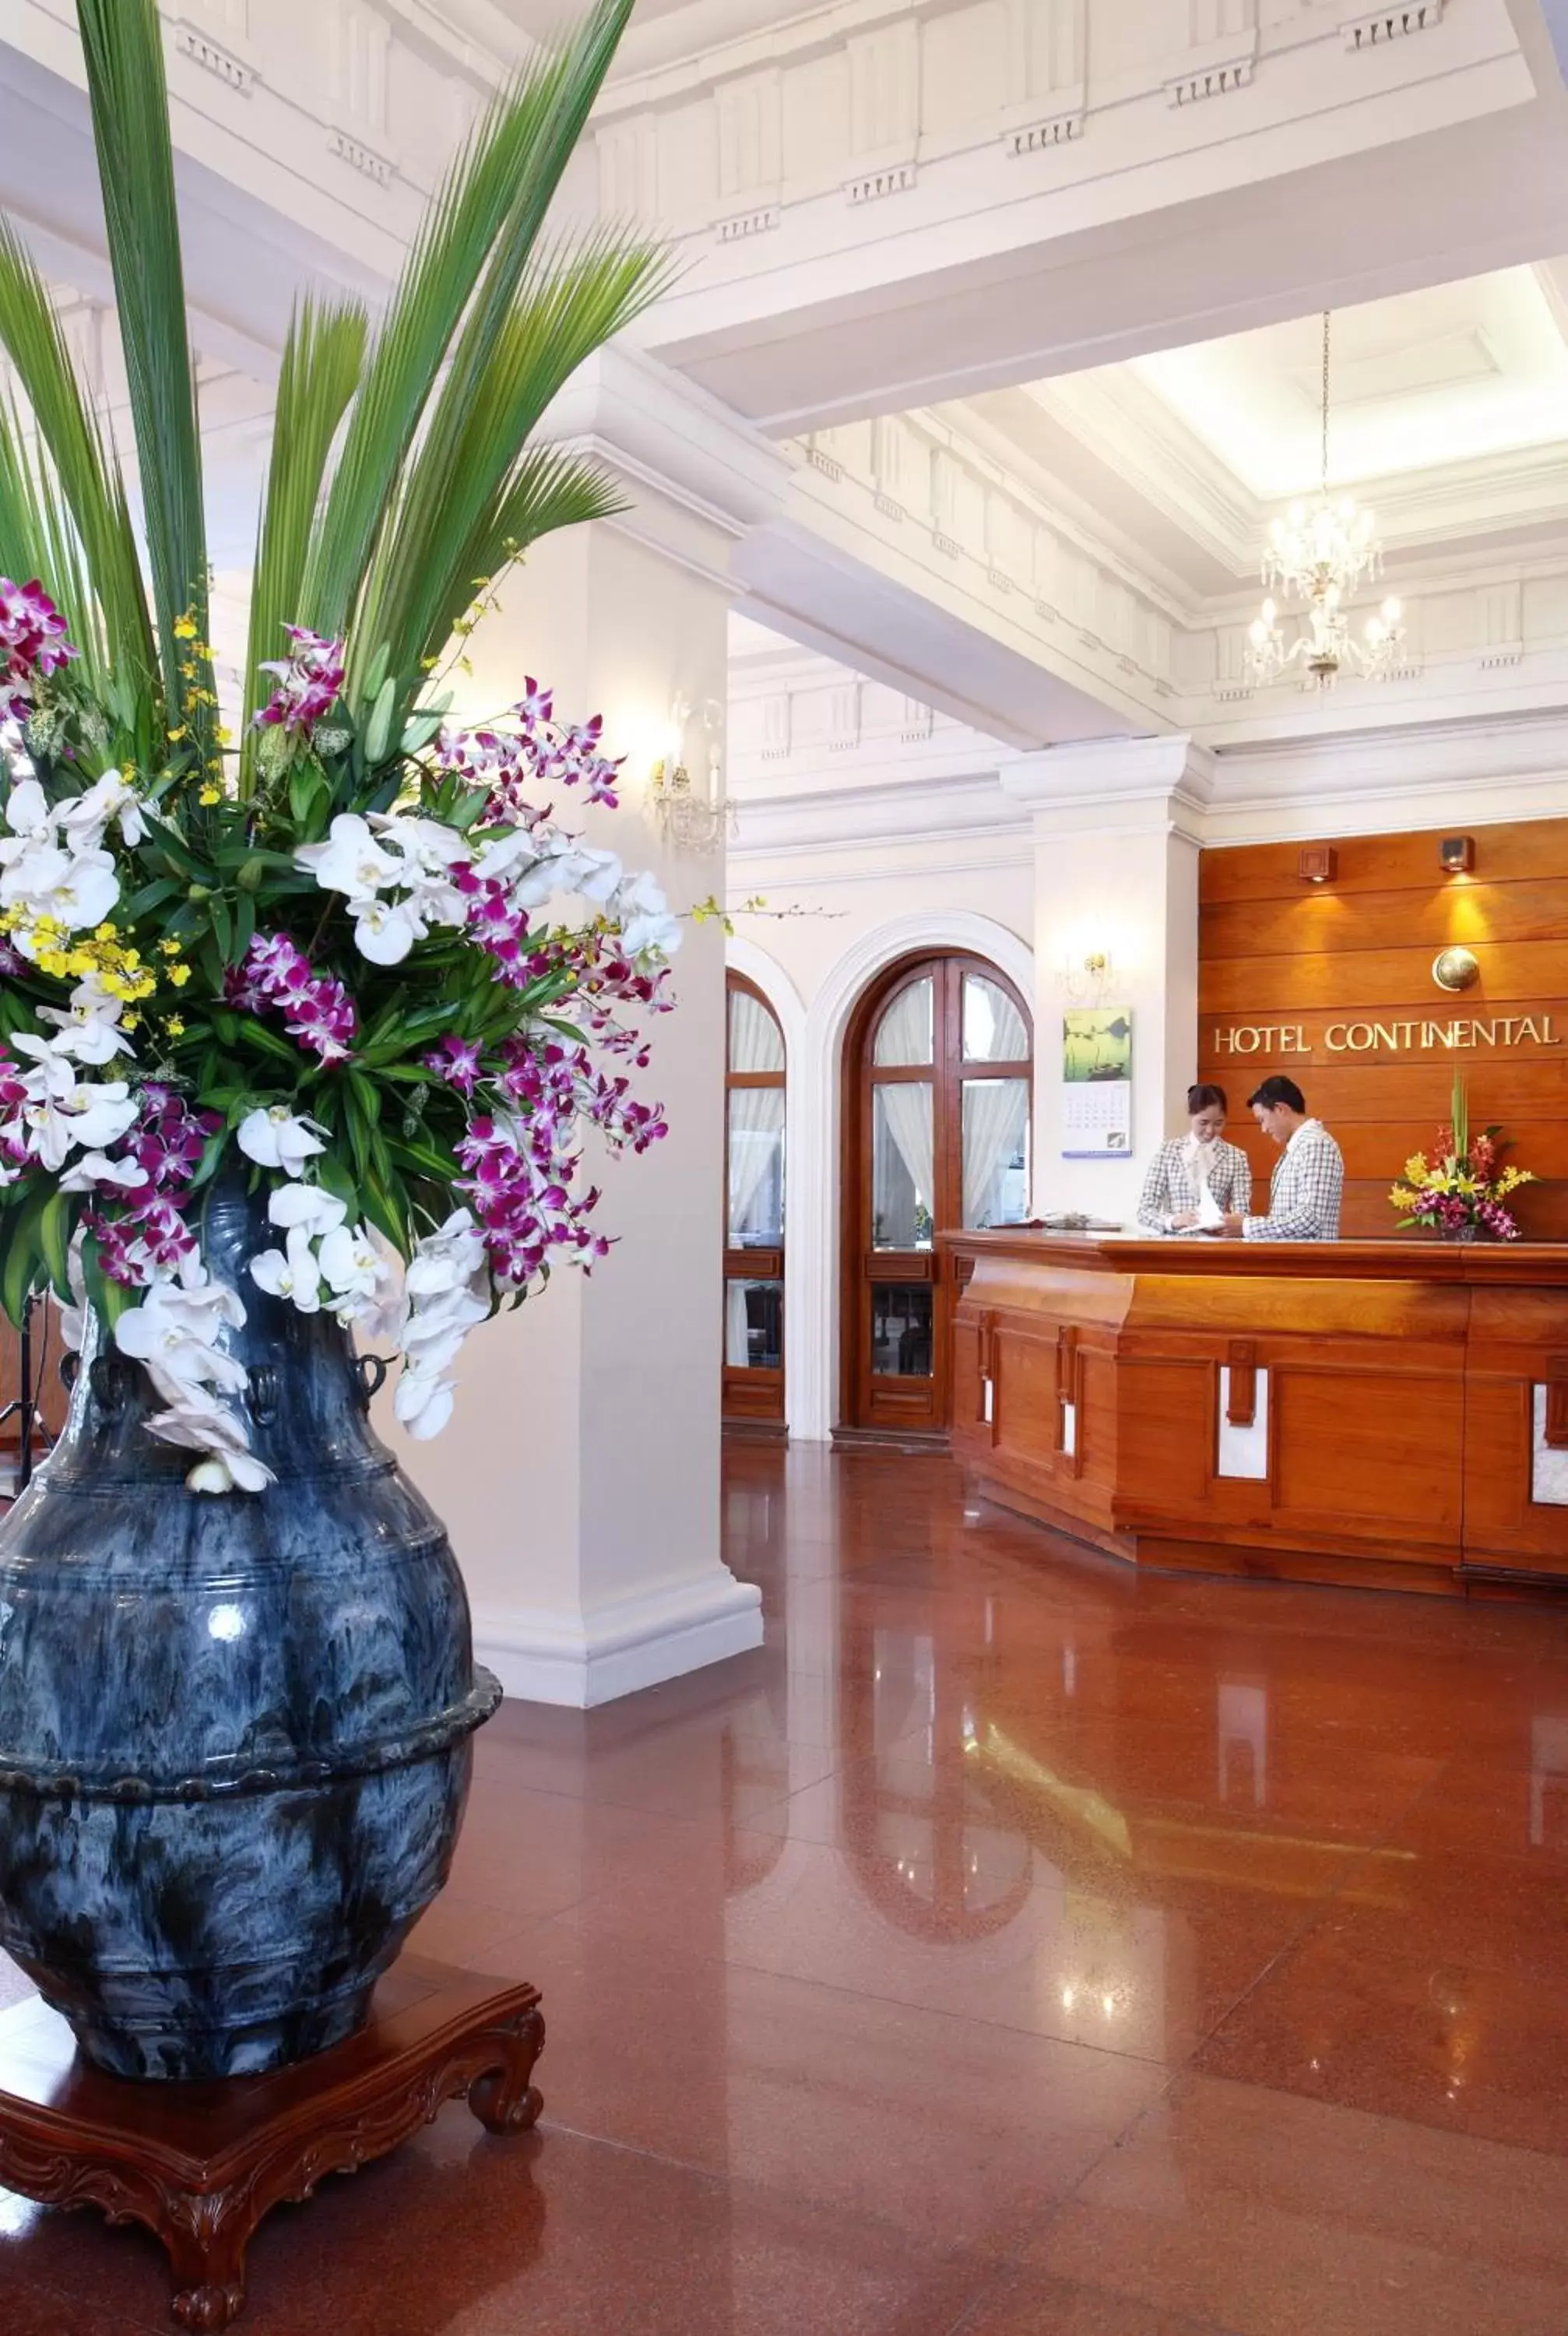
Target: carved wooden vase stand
column 200, row 2165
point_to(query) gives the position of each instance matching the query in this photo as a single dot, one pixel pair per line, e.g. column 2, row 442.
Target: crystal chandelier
column 1321, row 552
column 690, row 819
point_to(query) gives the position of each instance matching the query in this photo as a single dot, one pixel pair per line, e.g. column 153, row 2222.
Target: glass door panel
column 903, row 1187
column 756, row 1188
column 904, row 1034
column 995, row 1152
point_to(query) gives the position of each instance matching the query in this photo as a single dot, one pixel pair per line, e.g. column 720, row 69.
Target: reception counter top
column 1382, row 1413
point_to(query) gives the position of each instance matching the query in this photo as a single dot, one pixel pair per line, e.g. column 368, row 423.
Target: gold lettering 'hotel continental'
column 1402, row 1036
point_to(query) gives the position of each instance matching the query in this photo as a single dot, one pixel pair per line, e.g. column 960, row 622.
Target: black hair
column 1276, row 1088
column 1204, row 1094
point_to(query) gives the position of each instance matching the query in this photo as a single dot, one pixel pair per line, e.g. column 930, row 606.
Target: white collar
column 1308, row 1127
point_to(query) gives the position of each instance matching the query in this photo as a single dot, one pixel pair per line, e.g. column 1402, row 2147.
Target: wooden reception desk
column 1389, row 1414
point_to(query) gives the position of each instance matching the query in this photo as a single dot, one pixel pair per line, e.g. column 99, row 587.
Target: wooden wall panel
column 1332, row 983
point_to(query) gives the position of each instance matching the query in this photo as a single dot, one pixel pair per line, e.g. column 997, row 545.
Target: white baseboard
column 543, row 1657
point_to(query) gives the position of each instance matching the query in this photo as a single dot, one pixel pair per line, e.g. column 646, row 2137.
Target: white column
column 1117, row 823
column 579, row 1476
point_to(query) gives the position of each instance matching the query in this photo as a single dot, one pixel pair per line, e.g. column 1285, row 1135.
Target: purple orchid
column 32, row 642
column 317, row 1009
column 310, row 679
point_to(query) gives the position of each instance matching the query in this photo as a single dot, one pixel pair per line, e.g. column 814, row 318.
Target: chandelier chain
column 1320, row 555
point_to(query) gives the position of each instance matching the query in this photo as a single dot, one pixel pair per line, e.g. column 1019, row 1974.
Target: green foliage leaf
column 23, row 1253
column 122, row 43
column 55, row 1241
column 323, row 365
column 87, row 476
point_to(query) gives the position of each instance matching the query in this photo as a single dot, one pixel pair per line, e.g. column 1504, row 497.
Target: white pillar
column 579, row 1476
column 1117, row 823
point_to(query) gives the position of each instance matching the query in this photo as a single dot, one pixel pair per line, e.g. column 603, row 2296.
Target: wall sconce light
column 1318, row 863
column 689, row 819
column 1089, row 975
column 1458, row 854
column 1455, row 969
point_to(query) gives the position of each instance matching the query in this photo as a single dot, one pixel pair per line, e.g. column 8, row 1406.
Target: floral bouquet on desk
column 327, row 958
column 1460, row 1187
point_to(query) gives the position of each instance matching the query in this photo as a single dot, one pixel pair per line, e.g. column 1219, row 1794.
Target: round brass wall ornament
column 1455, row 969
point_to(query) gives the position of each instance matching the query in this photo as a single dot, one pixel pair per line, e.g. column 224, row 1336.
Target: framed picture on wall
column 1098, row 1083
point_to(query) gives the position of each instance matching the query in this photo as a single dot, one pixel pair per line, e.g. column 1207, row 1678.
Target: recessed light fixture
column 1317, row 864
column 1458, row 854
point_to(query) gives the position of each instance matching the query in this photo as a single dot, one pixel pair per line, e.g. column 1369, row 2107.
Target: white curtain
column 755, row 1040
column 905, row 1106
column 905, row 1032
column 755, row 1133
column 736, row 1342
column 994, row 1113
column 994, row 1029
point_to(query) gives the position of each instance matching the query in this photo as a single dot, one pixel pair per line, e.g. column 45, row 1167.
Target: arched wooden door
column 936, row 1111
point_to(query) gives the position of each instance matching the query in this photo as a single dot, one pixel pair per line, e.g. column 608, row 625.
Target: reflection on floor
column 1013, row 1945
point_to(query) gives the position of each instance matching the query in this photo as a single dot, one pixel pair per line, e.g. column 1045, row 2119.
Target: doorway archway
column 937, row 1109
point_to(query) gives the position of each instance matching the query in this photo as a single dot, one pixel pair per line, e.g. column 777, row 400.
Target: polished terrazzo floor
column 1012, row 1947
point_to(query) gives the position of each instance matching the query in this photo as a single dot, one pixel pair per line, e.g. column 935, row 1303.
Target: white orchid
column 648, row 928
column 562, row 863
column 173, row 1334
column 89, row 1027
column 86, row 819
column 275, row 1137
column 385, row 930
column 350, row 1265
column 422, row 1402
column 305, row 1208
column 30, row 819
column 350, row 860
column 95, row 1172
column 428, row 846
column 446, row 1259
column 290, row 1272
column 90, row 1117
column 71, row 889
column 228, row 1463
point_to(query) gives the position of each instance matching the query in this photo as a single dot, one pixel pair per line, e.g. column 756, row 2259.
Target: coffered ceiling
column 1448, row 415
column 1457, row 373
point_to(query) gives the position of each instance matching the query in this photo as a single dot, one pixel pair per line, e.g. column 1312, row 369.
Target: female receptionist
column 1183, row 1170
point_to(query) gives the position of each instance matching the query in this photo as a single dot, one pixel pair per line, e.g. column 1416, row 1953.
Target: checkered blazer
column 1306, row 1190
column 1172, row 1189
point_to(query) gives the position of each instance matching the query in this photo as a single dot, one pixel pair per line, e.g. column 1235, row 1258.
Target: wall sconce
column 690, row 820
column 1318, row 863
column 1458, row 854
column 1089, row 975
column 1455, row 969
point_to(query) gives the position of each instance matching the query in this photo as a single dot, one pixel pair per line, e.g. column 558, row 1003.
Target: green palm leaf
column 568, row 307
column 483, row 224
column 323, row 365
column 85, row 472
column 546, row 490
column 123, row 49
column 36, row 538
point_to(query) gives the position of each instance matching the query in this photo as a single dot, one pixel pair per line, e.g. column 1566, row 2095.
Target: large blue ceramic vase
column 236, row 1733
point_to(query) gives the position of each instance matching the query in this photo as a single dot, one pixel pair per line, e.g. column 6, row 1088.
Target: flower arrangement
column 1459, row 1189
column 331, row 957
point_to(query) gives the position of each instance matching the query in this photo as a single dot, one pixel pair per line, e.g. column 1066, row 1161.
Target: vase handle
column 370, row 1372
column 70, row 1369
column 110, row 1382
column 263, row 1395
